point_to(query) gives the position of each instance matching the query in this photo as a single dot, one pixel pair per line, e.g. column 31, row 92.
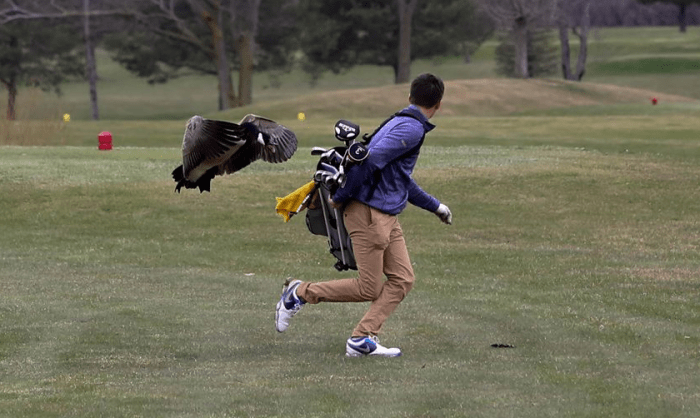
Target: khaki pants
column 380, row 249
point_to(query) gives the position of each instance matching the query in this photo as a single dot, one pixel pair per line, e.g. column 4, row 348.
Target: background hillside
column 653, row 60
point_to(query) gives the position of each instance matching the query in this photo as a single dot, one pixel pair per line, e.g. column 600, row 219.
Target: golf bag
column 321, row 217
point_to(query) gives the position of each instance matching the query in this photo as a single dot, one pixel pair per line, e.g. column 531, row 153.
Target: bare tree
column 241, row 15
column 574, row 15
column 163, row 19
column 212, row 13
column 12, row 10
column 516, row 16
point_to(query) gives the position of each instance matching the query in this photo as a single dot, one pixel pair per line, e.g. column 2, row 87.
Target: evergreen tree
column 39, row 53
column 338, row 34
column 541, row 57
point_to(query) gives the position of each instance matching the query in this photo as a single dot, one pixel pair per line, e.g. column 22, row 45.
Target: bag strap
column 368, row 137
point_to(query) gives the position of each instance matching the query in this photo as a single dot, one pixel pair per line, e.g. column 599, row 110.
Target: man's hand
column 443, row 212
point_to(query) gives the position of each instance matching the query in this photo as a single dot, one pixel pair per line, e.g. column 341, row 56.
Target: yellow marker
column 66, row 117
column 301, row 116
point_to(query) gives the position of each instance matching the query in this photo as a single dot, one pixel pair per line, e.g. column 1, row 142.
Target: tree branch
column 39, row 10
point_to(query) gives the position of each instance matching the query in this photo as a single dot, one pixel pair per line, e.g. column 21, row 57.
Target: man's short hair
column 427, row 90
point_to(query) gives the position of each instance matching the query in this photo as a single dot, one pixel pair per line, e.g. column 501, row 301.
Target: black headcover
column 346, row 130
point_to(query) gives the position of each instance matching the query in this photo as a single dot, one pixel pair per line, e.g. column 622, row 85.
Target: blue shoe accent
column 368, row 346
column 364, row 345
column 289, row 296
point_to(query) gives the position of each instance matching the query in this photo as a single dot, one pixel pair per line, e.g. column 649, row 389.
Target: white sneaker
column 369, row 346
column 289, row 304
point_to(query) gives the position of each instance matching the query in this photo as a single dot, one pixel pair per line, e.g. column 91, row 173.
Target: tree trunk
column 520, row 42
column 11, row 97
column 245, row 73
column 406, row 10
column 244, row 25
column 91, row 65
column 583, row 40
column 11, row 82
column 682, row 17
column 565, row 50
column 227, row 98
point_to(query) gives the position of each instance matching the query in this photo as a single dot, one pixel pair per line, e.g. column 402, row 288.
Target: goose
column 212, row 148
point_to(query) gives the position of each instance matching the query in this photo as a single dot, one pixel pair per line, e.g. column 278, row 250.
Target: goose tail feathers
column 203, row 183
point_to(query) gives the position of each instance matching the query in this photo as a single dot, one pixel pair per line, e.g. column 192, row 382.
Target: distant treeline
column 631, row 13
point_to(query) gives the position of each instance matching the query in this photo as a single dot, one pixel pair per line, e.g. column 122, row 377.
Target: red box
column 104, row 141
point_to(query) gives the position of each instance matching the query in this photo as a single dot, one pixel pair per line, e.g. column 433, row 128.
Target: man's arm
column 420, row 198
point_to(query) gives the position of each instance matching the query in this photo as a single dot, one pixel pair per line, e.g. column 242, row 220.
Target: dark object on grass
column 212, row 147
column 497, row 345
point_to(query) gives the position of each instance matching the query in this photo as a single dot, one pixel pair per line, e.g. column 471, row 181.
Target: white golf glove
column 443, row 212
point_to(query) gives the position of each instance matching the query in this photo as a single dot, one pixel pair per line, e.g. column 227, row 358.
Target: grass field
column 576, row 240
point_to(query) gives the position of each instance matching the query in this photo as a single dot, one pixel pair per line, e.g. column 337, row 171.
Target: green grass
column 122, row 298
column 651, row 65
column 575, row 239
column 656, row 58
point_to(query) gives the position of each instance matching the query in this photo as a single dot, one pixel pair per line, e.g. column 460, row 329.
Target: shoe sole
column 277, row 317
column 354, row 354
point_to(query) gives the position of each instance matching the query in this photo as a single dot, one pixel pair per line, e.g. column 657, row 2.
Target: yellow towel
column 289, row 205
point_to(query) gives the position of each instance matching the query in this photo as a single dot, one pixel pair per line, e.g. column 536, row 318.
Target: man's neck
column 427, row 112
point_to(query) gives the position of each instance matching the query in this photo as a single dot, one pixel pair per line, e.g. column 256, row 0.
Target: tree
column 244, row 25
column 517, row 16
column 170, row 36
column 69, row 12
column 264, row 37
column 94, row 29
column 163, row 38
column 574, row 15
column 91, row 65
column 541, row 58
column 682, row 9
column 477, row 28
column 338, row 34
column 38, row 54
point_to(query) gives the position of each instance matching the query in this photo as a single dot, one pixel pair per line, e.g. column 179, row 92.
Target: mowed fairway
column 122, row 298
column 575, row 241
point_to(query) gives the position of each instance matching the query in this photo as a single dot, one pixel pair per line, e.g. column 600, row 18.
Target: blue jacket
column 384, row 180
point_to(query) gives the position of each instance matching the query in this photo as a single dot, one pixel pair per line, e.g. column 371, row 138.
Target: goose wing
column 266, row 140
column 280, row 143
column 207, row 143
